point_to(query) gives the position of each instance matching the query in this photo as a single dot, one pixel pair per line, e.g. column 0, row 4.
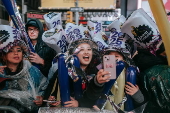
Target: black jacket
column 90, row 95
column 148, row 79
column 144, row 59
column 43, row 50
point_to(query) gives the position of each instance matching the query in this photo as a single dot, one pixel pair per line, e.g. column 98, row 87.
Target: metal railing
column 9, row 108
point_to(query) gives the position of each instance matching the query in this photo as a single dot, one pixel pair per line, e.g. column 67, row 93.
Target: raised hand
column 34, row 57
column 103, row 76
column 38, row 101
column 72, row 103
column 56, row 103
column 130, row 89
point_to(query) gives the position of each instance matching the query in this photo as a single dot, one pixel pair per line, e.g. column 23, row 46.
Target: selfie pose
column 125, row 82
column 22, row 85
column 122, row 87
column 92, row 81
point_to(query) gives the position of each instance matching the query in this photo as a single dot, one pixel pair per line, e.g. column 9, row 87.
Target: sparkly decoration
column 71, row 110
column 10, row 37
column 74, row 44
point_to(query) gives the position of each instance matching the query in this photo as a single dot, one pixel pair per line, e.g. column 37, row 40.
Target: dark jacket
column 153, row 80
column 90, row 94
column 43, row 50
column 144, row 59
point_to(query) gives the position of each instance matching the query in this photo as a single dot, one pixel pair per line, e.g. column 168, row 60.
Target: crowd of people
column 27, row 87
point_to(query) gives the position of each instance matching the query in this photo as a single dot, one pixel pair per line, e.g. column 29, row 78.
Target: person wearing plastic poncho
column 22, row 84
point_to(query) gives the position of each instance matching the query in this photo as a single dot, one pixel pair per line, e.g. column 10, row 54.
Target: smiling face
column 118, row 56
column 14, row 55
column 85, row 55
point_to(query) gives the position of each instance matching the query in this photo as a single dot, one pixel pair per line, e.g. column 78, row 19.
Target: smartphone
column 109, row 64
column 49, row 101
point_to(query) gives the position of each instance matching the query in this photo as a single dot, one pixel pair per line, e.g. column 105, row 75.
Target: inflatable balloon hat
column 56, row 39
column 52, row 19
column 74, row 32
column 104, row 37
column 94, row 27
column 85, row 31
column 122, row 19
column 10, row 37
column 117, row 41
column 87, row 34
column 95, row 30
column 143, row 30
column 11, row 8
column 98, row 38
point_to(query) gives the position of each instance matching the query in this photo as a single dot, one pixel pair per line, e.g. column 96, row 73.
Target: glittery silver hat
column 117, row 40
column 10, row 37
column 72, row 47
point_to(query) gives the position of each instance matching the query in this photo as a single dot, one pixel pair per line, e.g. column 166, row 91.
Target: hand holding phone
column 109, row 64
column 50, row 101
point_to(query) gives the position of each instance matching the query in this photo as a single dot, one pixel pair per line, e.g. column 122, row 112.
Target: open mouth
column 86, row 57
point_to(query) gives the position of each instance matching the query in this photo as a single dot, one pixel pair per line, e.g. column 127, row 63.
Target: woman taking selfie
column 22, row 85
column 92, row 79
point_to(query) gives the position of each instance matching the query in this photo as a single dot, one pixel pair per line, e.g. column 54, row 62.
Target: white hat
column 10, row 37
column 56, row 39
column 143, row 30
column 52, row 19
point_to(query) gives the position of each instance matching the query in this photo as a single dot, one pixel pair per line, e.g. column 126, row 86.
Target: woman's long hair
column 96, row 60
column 4, row 61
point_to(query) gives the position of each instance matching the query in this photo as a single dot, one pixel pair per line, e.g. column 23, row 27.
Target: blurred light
column 18, row 7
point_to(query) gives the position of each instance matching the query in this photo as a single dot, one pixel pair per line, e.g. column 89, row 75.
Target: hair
column 93, row 63
column 3, row 60
column 160, row 50
column 95, row 57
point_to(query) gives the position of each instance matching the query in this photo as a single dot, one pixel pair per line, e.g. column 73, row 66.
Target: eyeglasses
column 33, row 30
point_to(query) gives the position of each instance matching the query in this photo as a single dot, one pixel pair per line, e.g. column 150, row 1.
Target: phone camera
column 106, row 58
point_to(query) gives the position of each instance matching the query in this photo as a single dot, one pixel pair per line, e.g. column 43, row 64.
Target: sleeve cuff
column 96, row 83
column 138, row 97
